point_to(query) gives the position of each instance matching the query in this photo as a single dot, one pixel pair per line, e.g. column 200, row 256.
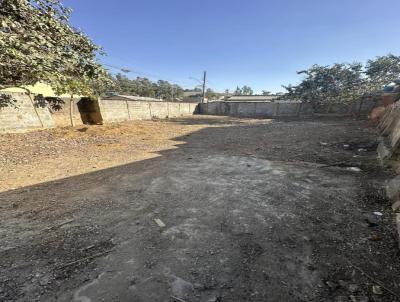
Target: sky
column 260, row 43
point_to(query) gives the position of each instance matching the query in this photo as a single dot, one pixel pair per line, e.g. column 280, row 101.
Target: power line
column 204, row 86
column 133, row 70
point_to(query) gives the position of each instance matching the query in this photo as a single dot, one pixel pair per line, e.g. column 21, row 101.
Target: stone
column 393, row 188
column 353, row 288
column 214, row 299
column 384, row 152
column 375, row 237
column 396, row 206
column 372, row 220
column 331, row 284
column 354, row 169
column 160, row 223
column 376, row 289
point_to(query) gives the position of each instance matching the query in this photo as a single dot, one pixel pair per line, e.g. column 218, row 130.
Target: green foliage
column 6, row 101
column 245, row 90
column 37, row 44
column 383, row 70
column 344, row 83
column 212, row 95
column 144, row 87
column 54, row 103
column 338, row 83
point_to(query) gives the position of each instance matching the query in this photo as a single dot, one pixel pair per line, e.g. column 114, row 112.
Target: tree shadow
column 54, row 230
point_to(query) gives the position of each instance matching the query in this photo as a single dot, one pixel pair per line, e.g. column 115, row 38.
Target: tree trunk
column 34, row 106
column 71, row 111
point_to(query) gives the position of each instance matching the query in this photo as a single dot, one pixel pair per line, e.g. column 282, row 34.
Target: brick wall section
column 24, row 117
column 123, row 110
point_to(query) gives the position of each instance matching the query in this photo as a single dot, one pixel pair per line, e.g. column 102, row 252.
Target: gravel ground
column 196, row 209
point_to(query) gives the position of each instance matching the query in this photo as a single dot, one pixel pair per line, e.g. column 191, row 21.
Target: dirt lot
column 31, row 158
column 249, row 210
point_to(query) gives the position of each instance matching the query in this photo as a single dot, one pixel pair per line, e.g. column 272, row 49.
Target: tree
column 211, row 95
column 266, row 92
column 383, row 70
column 342, row 83
column 238, row 91
column 145, row 87
column 246, row 90
column 37, row 44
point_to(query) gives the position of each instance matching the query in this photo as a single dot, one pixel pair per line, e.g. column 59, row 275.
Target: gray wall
column 123, row 110
column 286, row 109
column 61, row 118
column 25, row 116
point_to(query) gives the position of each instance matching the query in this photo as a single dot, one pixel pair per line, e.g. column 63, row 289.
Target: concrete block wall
column 256, row 109
column 124, row 110
column 25, row 116
column 114, row 110
column 286, row 109
column 61, row 117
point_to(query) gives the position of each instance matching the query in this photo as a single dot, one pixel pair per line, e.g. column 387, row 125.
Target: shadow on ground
column 252, row 212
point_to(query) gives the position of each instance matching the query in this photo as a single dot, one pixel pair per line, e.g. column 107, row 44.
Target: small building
column 251, row 98
column 192, row 96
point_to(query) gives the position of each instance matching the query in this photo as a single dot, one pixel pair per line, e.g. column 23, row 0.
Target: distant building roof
column 132, row 98
column 192, row 93
column 192, row 96
column 251, row 98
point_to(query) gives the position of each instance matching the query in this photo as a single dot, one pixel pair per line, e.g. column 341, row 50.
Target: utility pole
column 204, row 87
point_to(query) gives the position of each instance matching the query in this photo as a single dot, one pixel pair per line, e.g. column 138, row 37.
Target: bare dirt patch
column 254, row 210
column 36, row 157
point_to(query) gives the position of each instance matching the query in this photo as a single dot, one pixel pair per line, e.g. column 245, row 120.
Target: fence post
column 127, row 109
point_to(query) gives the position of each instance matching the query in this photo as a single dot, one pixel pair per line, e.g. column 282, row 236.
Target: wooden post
column 127, row 109
column 167, row 109
column 71, row 110
column 359, row 108
column 151, row 117
column 299, row 109
column 276, row 109
column 204, row 87
column 34, row 107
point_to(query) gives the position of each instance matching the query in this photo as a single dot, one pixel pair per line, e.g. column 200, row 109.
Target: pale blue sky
column 260, row 43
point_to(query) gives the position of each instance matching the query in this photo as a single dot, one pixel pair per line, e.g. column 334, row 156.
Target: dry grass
column 41, row 156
